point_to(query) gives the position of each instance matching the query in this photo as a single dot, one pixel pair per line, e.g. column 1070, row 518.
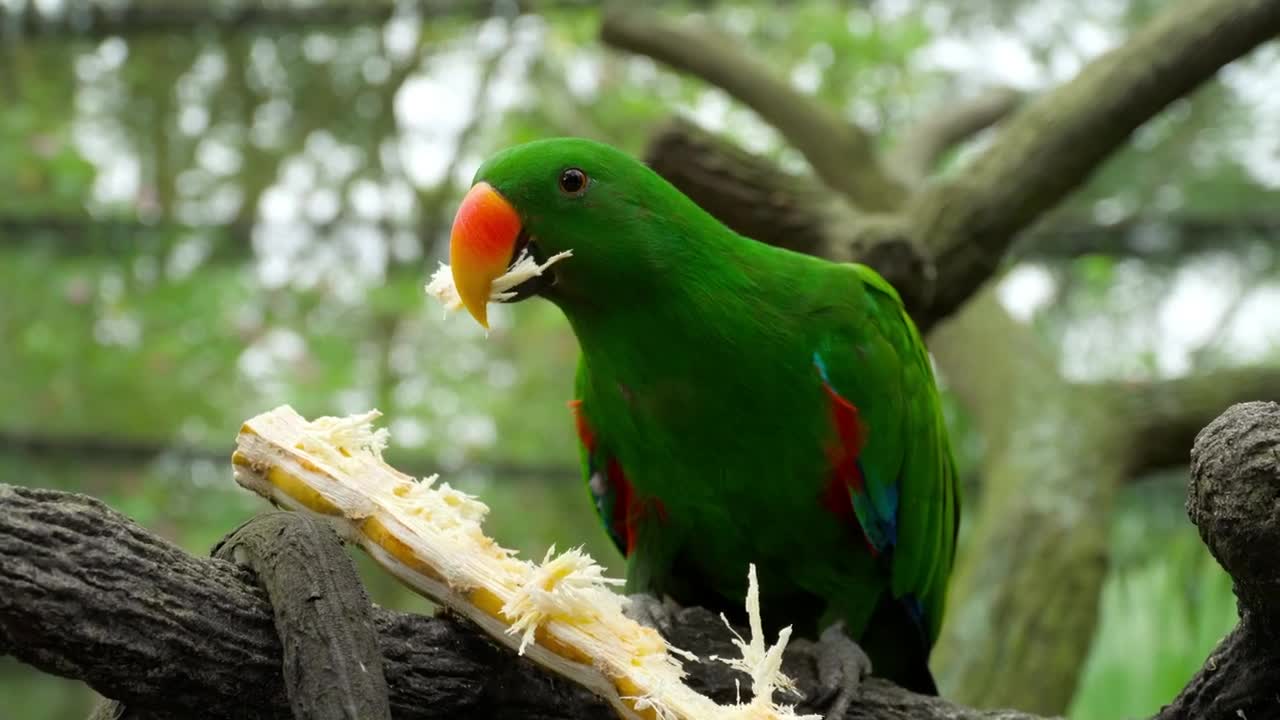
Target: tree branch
column 332, row 663
column 1056, row 142
column 921, row 148
column 1052, row 463
column 322, row 615
column 1235, row 486
column 87, row 594
column 1153, row 238
column 752, row 194
column 1164, row 416
column 839, row 151
column 968, row 223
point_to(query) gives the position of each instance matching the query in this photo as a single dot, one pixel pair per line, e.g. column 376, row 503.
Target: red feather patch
column 851, row 433
column 846, row 473
column 585, row 435
column 625, row 510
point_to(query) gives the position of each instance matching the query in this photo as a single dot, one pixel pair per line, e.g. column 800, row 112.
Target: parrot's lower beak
column 482, row 245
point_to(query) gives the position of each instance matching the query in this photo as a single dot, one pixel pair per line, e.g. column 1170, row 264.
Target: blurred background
column 207, row 210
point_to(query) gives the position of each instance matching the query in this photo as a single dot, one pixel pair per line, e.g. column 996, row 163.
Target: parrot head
column 549, row 196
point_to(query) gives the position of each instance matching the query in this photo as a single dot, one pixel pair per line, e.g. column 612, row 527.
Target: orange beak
column 484, row 236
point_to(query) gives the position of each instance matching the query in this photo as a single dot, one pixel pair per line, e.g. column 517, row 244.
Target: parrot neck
column 692, row 287
column 702, row 312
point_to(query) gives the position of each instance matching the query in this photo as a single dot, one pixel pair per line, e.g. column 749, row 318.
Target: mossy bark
column 1024, row 594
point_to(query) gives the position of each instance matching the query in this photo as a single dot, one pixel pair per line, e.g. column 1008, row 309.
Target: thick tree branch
column 332, row 661
column 751, row 194
column 1234, row 490
column 840, row 152
column 1056, row 142
column 1028, row 595
column 1153, row 238
column 87, row 594
column 922, row 147
column 1163, row 417
column 968, row 223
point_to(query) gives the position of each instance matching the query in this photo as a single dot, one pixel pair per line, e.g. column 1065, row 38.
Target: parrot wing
column 892, row 456
column 610, row 490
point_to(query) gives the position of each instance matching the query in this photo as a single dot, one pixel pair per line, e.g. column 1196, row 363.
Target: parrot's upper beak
column 482, row 245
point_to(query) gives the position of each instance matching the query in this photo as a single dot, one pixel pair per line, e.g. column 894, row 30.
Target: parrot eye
column 573, row 182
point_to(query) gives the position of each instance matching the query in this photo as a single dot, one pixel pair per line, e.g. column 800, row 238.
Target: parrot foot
column 650, row 611
column 841, row 667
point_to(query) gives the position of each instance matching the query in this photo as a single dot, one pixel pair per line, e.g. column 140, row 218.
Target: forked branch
column 1051, row 146
column 841, row 153
column 967, row 224
column 920, row 148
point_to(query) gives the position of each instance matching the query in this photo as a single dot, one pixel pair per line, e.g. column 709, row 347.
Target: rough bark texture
column 89, row 595
column 1028, row 595
column 1234, row 499
column 332, row 663
column 86, row 593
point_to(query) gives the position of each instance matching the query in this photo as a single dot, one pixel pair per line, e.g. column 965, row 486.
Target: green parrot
column 736, row 403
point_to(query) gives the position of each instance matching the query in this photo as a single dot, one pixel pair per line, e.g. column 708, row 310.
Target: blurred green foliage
column 196, row 228
column 1165, row 606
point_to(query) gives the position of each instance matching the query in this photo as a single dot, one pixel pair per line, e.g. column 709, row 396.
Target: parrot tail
column 898, row 645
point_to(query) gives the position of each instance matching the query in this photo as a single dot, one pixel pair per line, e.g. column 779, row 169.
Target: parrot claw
column 650, row 611
column 841, row 667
